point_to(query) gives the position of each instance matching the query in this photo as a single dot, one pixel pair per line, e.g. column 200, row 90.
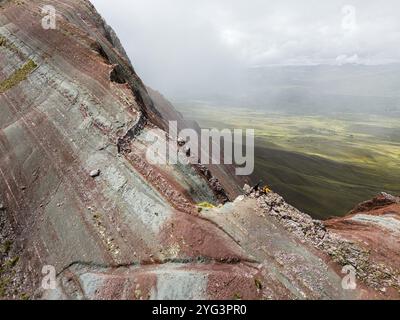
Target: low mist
column 197, row 50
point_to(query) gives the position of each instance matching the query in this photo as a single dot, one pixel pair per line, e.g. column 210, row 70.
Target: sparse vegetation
column 8, row 263
column 237, row 296
column 12, row 262
column 5, row 43
column 258, row 284
column 266, row 189
column 24, row 296
column 6, row 247
column 18, row 76
column 4, row 282
column 321, row 164
column 205, row 205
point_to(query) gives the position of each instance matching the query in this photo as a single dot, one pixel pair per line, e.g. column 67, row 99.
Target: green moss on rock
column 6, row 247
column 18, row 76
column 12, row 262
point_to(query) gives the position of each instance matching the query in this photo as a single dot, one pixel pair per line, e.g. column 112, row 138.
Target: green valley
column 322, row 164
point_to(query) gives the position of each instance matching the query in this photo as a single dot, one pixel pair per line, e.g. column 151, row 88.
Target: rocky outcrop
column 372, row 245
column 216, row 175
column 77, row 192
column 367, row 239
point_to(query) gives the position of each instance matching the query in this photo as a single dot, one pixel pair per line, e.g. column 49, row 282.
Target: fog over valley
column 206, row 48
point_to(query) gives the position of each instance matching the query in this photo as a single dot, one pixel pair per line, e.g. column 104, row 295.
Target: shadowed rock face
column 77, row 192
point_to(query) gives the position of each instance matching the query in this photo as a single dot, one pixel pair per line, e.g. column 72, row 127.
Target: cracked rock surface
column 78, row 193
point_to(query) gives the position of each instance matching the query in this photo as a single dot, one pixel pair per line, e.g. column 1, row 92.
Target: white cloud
column 344, row 59
column 179, row 43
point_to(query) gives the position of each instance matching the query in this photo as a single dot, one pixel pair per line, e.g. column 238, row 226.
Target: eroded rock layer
column 78, row 193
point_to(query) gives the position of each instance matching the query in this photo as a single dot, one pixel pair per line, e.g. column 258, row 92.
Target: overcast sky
column 185, row 43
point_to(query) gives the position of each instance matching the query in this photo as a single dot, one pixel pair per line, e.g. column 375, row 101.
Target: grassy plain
column 324, row 165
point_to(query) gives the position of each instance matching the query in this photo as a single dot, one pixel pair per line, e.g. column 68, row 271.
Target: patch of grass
column 237, row 296
column 24, row 296
column 322, row 164
column 18, row 76
column 7, row 271
column 12, row 262
column 4, row 282
column 204, row 205
column 258, row 284
column 6, row 247
column 3, row 42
